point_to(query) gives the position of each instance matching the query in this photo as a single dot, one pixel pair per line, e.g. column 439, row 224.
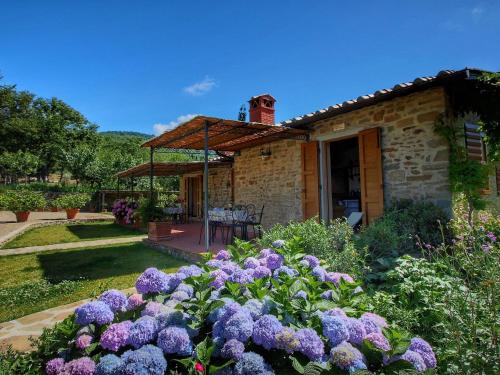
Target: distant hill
column 127, row 134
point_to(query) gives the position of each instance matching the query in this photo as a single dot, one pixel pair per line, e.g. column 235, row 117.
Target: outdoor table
column 175, row 212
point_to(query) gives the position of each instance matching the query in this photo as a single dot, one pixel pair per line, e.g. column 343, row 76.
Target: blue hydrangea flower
column 286, row 340
column 327, row 294
column 319, row 272
column 220, row 278
column 153, row 308
column 265, row 330
column 242, row 277
column 94, row 312
column 179, row 296
column 347, row 357
column 312, row 261
column 148, row 360
column 356, row 330
column 233, row 349
column 255, row 307
column 216, row 314
column 415, row 359
column 214, row 263
column 175, row 340
column 286, row 271
column 152, row 280
column 239, row 326
column 186, row 288
column 335, row 329
column 223, row 255
column 252, row 364
column 190, row 271
column 251, row 262
column 110, row 365
column 310, row 344
column 143, row 331
column 379, row 340
column 274, row 261
column 300, row 294
column 278, row 244
column 423, row 348
column 230, row 267
column 116, row 300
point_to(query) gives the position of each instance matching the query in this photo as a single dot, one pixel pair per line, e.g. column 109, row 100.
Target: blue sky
column 131, row 65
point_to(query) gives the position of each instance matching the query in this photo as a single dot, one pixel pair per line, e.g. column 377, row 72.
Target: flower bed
column 271, row 311
column 123, row 210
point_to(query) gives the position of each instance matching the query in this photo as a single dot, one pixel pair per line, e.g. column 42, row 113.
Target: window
column 474, row 143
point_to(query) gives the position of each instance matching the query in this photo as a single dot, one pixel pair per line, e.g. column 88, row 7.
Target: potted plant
column 159, row 228
column 21, row 202
column 72, row 203
column 124, row 212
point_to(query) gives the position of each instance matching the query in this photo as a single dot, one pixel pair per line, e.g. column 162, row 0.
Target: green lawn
column 70, row 233
column 35, row 282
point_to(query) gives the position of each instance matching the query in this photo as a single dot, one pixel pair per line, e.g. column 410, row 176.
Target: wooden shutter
column 370, row 165
column 310, row 180
column 474, row 143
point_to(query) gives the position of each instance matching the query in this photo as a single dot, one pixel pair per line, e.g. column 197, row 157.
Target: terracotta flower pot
column 71, row 213
column 54, row 209
column 22, row 216
column 159, row 230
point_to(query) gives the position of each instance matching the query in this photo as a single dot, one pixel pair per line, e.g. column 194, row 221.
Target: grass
column 35, row 282
column 55, row 234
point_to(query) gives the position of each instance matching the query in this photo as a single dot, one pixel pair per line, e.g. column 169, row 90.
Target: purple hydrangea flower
column 285, row 270
column 242, row 277
column 93, row 312
column 327, row 295
column 252, row 364
column 217, row 313
column 239, row 326
column 491, row 236
column 230, row 267
column 54, row 366
column 261, row 272
column 142, row 331
column 319, row 272
column 264, row 253
column 109, row 365
column 334, row 277
column 175, row 340
column 357, row 331
column 370, row 325
column 83, row 341
column 336, row 312
column 134, row 301
column 278, row 243
column 347, row 357
column 116, row 336
column 286, row 340
column 311, row 260
column 423, row 348
column 189, row 271
column 379, row 340
column 80, row 366
column 214, row 263
column 335, row 329
column 220, row 278
column 310, row 344
column 153, row 309
column 274, row 261
column 414, row 358
column 265, row 330
column 116, row 300
column 233, row 349
column 223, row 255
column 152, row 280
column 251, row 262
column 148, row 360
column 377, row 319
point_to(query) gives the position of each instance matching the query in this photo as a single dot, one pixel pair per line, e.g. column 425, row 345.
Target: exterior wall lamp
column 265, row 153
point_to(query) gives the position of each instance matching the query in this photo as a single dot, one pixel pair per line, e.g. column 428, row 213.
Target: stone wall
column 414, row 158
column 219, row 187
column 275, row 182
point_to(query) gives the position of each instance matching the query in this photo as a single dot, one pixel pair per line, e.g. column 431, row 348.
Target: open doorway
column 344, row 178
column 194, row 196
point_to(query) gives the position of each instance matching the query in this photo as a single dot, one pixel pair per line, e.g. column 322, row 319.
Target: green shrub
column 333, row 242
column 22, row 200
column 149, row 211
column 401, row 230
column 71, row 200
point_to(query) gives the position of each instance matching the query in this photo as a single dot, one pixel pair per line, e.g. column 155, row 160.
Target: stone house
column 360, row 155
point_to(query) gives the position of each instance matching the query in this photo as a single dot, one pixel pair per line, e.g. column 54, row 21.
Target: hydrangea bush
column 242, row 311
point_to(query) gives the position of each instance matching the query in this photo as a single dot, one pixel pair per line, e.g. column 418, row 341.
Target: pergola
column 213, row 134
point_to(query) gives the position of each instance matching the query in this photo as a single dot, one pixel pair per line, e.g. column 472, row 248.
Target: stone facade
column 220, row 191
column 414, row 157
column 275, row 181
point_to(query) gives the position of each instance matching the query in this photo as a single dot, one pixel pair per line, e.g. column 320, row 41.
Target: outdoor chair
column 237, row 221
column 254, row 219
column 354, row 219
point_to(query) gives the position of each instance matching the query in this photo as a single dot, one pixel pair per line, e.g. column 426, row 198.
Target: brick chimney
column 262, row 109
